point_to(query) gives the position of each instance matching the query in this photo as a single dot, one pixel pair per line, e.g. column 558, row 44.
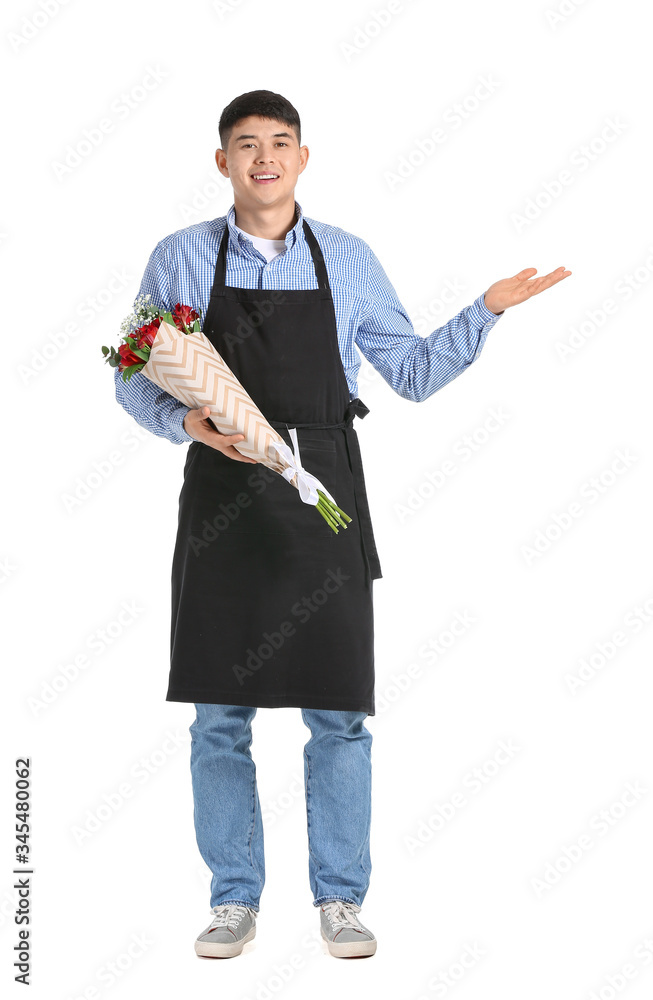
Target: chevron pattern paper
column 189, row 368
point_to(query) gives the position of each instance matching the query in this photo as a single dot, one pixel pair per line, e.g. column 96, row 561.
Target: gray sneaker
column 229, row 931
column 344, row 934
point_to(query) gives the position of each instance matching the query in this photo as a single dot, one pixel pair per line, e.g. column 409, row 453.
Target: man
column 269, row 607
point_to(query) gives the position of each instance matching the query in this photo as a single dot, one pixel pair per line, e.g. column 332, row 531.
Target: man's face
column 259, row 147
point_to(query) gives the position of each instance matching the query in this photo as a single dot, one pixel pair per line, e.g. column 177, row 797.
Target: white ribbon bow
column 308, row 485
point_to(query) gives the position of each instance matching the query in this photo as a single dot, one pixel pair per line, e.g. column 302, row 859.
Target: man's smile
column 265, row 177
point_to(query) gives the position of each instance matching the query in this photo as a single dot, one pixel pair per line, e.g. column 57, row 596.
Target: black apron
column 270, row 607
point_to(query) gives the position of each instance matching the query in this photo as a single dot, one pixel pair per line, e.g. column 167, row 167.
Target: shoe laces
column 342, row 914
column 229, row 914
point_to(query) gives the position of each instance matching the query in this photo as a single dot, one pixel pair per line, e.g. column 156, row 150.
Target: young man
column 270, row 608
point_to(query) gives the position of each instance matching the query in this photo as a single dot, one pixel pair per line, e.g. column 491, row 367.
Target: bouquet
column 170, row 349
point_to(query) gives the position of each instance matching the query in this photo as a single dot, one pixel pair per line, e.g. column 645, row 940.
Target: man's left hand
column 511, row 291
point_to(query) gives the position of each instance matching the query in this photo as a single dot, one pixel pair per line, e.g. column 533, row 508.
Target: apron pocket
column 225, row 497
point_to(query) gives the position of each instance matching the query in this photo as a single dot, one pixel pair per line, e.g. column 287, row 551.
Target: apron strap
column 316, row 253
column 355, row 407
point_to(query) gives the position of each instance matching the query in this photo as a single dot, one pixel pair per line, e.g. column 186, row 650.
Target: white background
column 494, row 876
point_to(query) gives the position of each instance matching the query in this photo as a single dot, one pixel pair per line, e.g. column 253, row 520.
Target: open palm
column 511, row 291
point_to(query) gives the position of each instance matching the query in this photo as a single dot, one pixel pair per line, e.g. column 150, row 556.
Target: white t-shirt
column 269, row 248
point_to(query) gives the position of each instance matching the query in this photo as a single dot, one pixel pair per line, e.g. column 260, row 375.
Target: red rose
column 183, row 316
column 147, row 333
column 128, row 357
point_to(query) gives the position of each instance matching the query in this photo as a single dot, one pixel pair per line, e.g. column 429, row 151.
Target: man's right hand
column 197, row 424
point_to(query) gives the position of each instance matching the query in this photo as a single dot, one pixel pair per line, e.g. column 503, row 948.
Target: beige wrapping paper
column 188, row 367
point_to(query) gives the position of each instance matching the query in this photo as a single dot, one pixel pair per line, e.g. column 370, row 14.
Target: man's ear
column 303, row 158
column 221, row 162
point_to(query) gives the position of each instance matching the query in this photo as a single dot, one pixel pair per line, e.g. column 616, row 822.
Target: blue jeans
column 227, row 811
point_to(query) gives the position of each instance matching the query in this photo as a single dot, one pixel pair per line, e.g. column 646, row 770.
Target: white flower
column 143, row 312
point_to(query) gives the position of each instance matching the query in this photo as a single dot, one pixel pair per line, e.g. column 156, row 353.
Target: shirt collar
column 238, row 237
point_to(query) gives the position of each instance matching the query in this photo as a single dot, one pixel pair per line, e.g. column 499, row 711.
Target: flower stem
column 326, row 517
column 336, row 517
column 331, row 512
column 332, row 503
column 327, row 514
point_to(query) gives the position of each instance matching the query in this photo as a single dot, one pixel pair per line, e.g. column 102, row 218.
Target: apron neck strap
column 314, row 246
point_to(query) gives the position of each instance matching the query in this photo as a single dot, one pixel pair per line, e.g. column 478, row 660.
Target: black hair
column 265, row 104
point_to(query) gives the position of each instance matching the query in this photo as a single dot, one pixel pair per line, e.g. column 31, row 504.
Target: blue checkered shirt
column 369, row 315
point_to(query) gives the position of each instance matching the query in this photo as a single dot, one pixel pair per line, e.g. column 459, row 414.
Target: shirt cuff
column 484, row 319
column 484, row 311
column 177, row 425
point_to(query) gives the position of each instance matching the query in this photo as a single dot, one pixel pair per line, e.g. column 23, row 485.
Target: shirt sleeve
column 146, row 402
column 414, row 366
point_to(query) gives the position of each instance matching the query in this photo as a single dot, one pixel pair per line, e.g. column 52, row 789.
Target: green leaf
column 105, row 351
